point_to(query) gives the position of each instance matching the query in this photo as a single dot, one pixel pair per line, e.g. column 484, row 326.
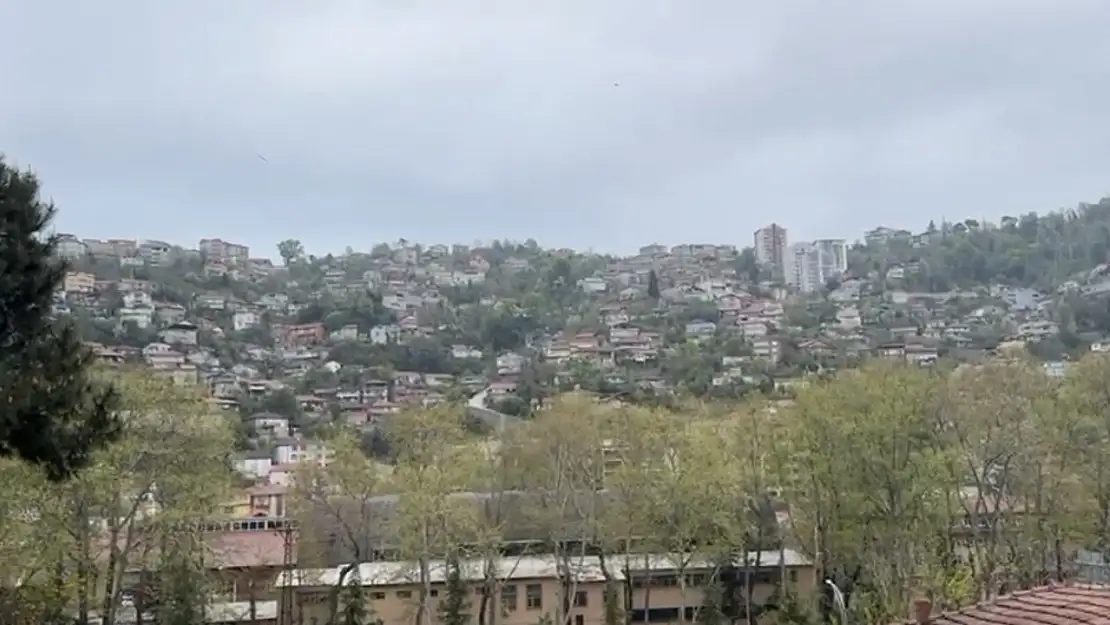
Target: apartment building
column 156, row 252
column 71, row 247
column 771, row 248
column 834, row 256
column 805, row 269
column 220, row 251
column 810, row 265
column 79, row 282
column 111, row 248
column 535, row 587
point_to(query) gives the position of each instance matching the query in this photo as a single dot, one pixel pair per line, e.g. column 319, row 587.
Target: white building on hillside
column 834, row 256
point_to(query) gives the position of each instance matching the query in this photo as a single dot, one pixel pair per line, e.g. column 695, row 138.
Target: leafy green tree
column 712, row 609
column 290, row 250
column 179, row 594
column 54, row 415
column 1032, row 251
column 747, row 265
column 504, row 330
column 133, row 335
column 282, row 401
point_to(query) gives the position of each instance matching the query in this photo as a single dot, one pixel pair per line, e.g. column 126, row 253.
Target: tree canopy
column 53, row 414
column 1031, row 250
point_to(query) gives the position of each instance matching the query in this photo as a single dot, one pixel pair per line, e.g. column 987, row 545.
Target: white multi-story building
column 834, row 256
column 71, row 247
column 771, row 248
column 804, row 269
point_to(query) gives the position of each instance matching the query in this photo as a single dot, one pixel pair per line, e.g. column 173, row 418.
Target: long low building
column 655, row 588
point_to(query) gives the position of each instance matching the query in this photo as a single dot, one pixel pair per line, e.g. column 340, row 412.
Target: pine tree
column 454, row 608
column 653, row 285
column 355, row 609
column 53, row 416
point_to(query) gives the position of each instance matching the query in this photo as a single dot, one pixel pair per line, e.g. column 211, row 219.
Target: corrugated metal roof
column 584, row 568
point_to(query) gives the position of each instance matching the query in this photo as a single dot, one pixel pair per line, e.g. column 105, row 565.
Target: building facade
column 834, row 256
column 220, row 251
column 532, row 589
column 805, row 268
column 771, row 249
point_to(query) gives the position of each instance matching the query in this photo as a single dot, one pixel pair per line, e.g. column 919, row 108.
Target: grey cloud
column 446, row 122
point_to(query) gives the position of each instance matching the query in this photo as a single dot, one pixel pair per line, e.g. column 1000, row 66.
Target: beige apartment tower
column 771, row 249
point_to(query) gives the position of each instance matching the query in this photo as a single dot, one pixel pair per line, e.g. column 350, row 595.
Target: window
column 404, row 594
column 579, row 619
column 533, row 596
column 508, row 598
column 434, row 592
column 581, row 599
column 793, row 575
column 224, row 588
column 655, row 615
column 377, row 596
column 696, row 580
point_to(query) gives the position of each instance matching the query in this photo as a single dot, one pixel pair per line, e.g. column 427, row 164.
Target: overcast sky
column 586, row 123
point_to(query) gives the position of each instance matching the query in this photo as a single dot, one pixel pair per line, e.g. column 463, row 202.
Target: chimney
column 922, row 611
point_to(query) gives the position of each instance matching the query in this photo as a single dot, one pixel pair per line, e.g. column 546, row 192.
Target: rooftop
column 584, row 568
column 1049, row 605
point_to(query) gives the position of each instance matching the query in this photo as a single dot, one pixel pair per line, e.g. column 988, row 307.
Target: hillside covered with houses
column 344, row 378
column 358, row 336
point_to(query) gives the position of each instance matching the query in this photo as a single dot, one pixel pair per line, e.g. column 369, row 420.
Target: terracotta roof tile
column 1050, row 605
column 245, row 549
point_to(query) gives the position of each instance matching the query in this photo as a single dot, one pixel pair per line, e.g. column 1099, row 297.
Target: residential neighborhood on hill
column 512, row 434
column 357, row 336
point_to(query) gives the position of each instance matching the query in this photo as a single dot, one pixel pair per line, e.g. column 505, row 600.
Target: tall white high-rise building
column 770, row 249
column 804, row 269
column 834, row 256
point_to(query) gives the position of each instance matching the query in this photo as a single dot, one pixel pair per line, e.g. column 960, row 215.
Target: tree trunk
column 83, row 556
column 333, row 596
column 253, row 599
column 422, row 612
column 108, row 602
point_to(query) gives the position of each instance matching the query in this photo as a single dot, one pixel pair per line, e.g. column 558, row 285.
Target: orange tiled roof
column 247, row 549
column 1049, row 605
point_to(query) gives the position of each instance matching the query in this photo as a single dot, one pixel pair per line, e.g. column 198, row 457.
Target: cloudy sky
column 586, row 123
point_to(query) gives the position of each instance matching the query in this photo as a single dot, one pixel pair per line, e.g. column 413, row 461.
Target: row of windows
column 695, row 580
column 251, row 525
column 510, row 600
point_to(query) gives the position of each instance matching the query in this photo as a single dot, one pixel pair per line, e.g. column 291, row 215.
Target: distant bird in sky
column 263, row 158
column 616, row 84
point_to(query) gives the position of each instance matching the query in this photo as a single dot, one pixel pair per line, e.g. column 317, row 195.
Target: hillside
column 1038, row 251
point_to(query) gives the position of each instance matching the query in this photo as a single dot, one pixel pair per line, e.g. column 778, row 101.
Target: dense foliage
column 898, row 481
column 137, row 505
column 1031, row 250
column 52, row 415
